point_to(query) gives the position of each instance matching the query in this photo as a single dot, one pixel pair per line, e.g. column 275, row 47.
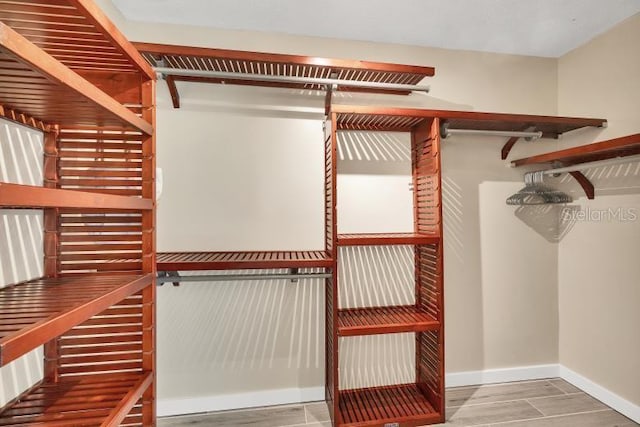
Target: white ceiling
column 528, row 27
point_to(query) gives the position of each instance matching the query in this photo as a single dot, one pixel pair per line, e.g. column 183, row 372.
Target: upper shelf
column 619, row 147
column 245, row 68
column 75, row 32
column 273, row 64
column 36, row 84
column 404, row 119
column 183, row 261
column 60, row 304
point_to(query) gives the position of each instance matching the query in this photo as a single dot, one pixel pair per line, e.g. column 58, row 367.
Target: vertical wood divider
column 51, row 241
column 148, row 253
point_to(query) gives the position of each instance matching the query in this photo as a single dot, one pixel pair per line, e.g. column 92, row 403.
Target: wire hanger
column 536, row 193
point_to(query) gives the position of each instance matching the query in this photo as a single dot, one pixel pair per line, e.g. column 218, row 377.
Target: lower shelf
column 88, row 401
column 403, row 404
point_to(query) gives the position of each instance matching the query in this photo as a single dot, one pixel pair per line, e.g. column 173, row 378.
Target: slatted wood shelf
column 404, row 404
column 384, row 320
column 76, row 33
column 618, row 147
column 270, row 64
column 27, row 196
column 183, row 261
column 364, row 239
column 37, row 84
column 405, row 119
column 101, row 400
column 34, row 312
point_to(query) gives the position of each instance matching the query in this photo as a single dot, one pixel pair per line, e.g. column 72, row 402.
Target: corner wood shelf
column 605, row 150
column 377, row 239
column 27, row 196
column 183, row 261
column 34, row 312
column 404, row 404
column 102, row 400
column 47, row 91
column 384, row 320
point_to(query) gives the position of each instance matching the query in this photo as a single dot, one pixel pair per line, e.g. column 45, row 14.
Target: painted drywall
column 21, row 239
column 499, row 313
column 598, row 259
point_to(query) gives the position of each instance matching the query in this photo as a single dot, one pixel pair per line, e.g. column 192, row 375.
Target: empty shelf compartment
column 34, row 312
column 384, row 320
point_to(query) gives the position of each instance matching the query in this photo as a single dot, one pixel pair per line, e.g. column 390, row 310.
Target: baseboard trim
column 609, row 398
column 492, row 376
column 171, row 407
column 222, row 402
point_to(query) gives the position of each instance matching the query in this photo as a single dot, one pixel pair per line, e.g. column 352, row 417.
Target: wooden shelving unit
column 614, row 148
column 421, row 402
column 67, row 71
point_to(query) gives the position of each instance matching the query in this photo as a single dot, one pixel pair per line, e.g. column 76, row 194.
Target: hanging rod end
column 444, row 130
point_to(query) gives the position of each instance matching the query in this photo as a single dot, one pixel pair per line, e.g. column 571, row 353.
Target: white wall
column 21, row 239
column 500, row 263
column 598, row 258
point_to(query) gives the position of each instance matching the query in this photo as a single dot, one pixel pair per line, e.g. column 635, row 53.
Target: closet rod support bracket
column 506, row 149
column 168, row 274
column 584, row 182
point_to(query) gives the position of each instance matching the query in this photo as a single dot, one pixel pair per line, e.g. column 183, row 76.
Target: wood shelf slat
column 372, row 239
column 376, row 406
column 28, row 196
column 384, row 320
column 185, row 261
column 47, row 90
column 604, row 150
column 405, row 119
column 53, row 306
column 101, row 400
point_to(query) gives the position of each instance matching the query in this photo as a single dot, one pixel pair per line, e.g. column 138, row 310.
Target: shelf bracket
column 506, row 149
column 508, row 146
column 173, row 90
column 584, row 182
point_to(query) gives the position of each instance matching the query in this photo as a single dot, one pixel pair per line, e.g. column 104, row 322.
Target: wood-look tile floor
column 543, row 403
